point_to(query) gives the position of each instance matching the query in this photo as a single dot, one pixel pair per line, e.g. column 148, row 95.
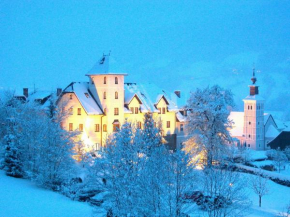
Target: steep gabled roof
column 80, row 89
column 149, row 95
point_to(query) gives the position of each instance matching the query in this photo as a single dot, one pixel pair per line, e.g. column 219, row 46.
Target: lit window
column 105, row 95
column 105, row 80
column 136, row 110
column 168, row 124
column 116, row 111
column 116, row 95
column 81, row 127
column 132, row 110
column 163, row 110
column 79, row 111
column 116, row 80
column 70, row 127
column 181, row 127
column 97, row 128
column 105, row 128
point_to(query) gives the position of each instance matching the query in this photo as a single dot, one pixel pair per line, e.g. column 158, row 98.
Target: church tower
column 253, row 131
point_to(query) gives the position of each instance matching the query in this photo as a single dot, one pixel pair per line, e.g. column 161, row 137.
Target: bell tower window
column 116, row 80
column 116, row 95
column 105, row 80
column 105, row 95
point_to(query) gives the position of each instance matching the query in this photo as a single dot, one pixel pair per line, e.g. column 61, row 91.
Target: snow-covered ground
column 21, row 198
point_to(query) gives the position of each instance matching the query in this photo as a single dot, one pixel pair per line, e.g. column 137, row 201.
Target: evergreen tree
column 12, row 162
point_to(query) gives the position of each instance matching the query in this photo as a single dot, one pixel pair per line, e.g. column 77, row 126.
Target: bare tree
column 224, row 193
column 280, row 159
column 260, row 186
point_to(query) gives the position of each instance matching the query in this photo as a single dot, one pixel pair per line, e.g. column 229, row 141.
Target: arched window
column 105, row 95
column 116, row 95
column 105, row 80
column 105, row 128
column 116, row 80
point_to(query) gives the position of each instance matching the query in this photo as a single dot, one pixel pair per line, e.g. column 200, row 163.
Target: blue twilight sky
column 175, row 44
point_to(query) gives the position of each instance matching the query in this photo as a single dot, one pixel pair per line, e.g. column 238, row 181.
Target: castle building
column 100, row 106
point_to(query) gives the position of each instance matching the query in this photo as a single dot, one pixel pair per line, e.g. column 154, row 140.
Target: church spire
column 254, row 79
column 254, row 90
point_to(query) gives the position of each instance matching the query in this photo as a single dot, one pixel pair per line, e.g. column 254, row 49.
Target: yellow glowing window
column 70, row 126
column 79, row 111
column 97, row 127
column 168, row 124
column 81, row 127
column 105, row 128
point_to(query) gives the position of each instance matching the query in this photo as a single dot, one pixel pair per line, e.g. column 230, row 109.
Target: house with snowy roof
column 100, row 106
column 253, row 128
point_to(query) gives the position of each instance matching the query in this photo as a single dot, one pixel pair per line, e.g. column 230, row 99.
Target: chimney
column 25, row 92
column 58, row 91
column 177, row 92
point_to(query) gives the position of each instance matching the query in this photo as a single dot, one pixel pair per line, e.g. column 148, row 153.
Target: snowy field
column 21, row 198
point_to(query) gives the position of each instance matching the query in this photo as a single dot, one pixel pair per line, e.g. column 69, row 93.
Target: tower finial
column 254, row 79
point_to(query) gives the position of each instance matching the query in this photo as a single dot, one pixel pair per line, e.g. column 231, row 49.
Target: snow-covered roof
column 254, row 97
column 39, row 95
column 238, row 123
column 102, row 67
column 180, row 101
column 84, row 96
column 272, row 132
column 149, row 95
column 180, row 117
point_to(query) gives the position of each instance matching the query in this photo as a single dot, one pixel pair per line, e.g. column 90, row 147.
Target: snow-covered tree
column 143, row 177
column 182, row 180
column 224, row 192
column 287, row 152
column 280, row 160
column 260, row 186
column 12, row 161
column 117, row 171
column 208, row 122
